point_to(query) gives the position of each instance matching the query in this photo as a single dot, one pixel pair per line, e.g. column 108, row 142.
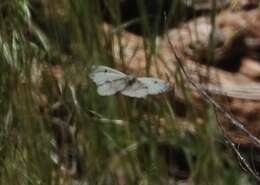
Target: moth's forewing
column 103, row 74
column 155, row 85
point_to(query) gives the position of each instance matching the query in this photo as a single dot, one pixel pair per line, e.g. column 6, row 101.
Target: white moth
column 110, row 81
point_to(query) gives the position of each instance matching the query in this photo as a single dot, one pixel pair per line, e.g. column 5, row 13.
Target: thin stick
column 246, row 166
column 208, row 98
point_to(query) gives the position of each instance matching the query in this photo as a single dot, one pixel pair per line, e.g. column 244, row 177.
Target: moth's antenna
column 165, row 21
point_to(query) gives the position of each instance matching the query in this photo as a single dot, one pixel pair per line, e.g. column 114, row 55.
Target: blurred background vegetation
column 55, row 128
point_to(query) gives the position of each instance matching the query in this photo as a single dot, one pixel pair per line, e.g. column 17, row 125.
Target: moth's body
column 130, row 79
column 111, row 81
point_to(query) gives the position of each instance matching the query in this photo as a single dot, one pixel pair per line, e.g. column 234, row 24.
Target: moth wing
column 136, row 89
column 155, row 85
column 101, row 74
column 111, row 87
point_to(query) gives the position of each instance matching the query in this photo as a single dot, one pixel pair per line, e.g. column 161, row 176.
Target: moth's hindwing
column 111, row 87
column 135, row 89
